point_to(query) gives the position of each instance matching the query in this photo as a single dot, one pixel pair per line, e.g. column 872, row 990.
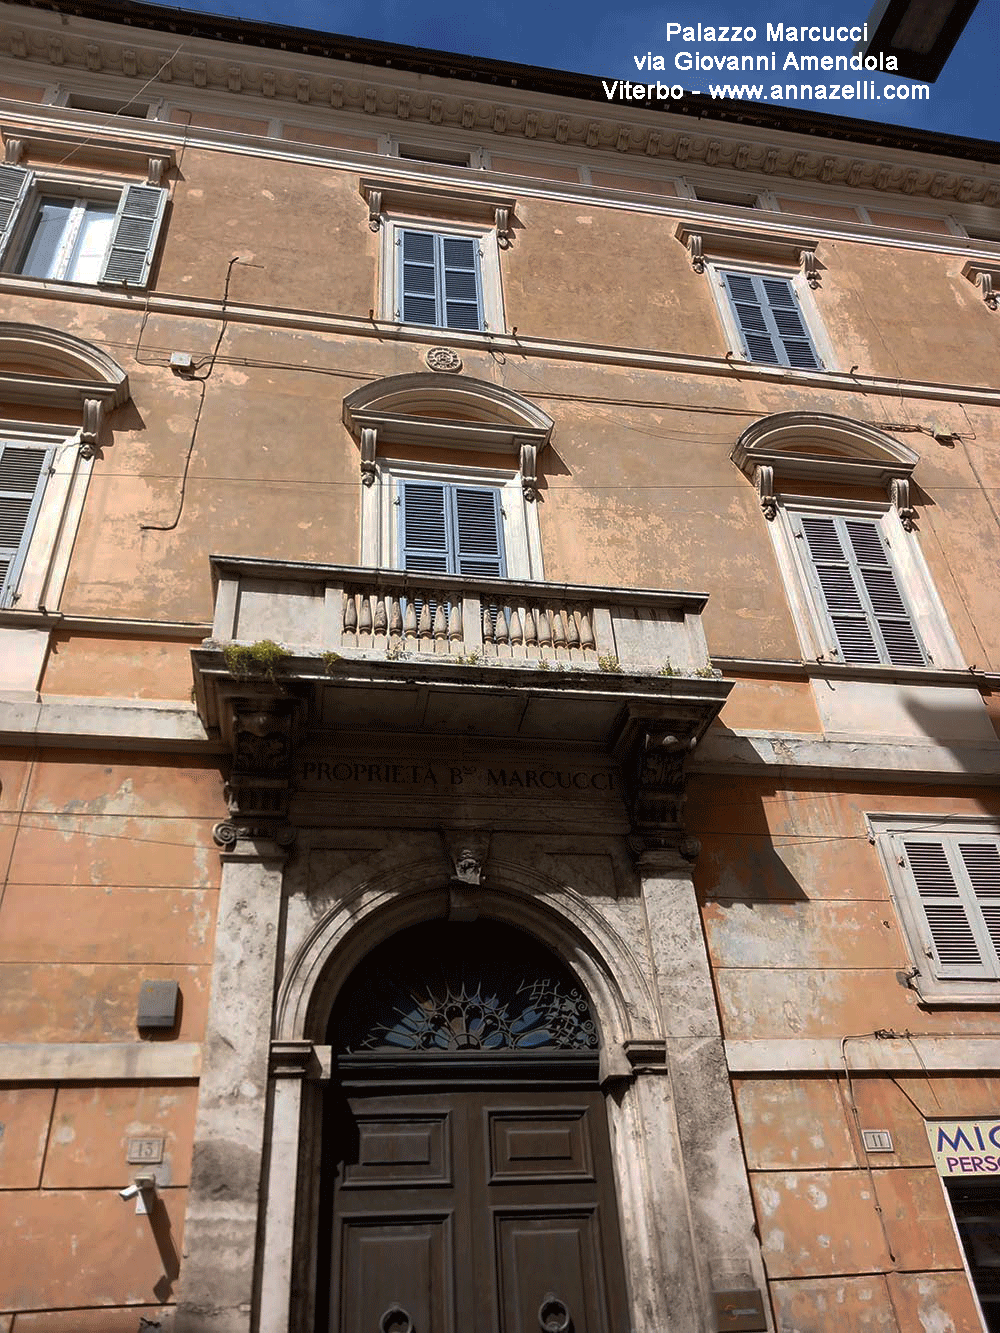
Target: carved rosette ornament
column 259, row 785
column 444, row 359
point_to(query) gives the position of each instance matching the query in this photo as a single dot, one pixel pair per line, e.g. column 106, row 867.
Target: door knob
column 553, row 1317
column 395, row 1320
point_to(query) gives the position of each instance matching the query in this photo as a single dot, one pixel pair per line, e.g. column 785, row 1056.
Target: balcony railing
column 375, row 612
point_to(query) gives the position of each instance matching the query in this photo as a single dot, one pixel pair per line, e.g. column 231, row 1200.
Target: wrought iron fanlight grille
column 449, row 989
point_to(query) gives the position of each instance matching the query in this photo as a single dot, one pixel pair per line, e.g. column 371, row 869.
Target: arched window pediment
column 49, row 367
column 45, row 367
column 820, row 446
column 447, row 412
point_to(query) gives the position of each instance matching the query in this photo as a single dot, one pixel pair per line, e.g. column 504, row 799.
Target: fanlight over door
column 468, row 1163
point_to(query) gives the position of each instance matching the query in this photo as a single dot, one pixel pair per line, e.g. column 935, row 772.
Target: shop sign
column 965, row 1147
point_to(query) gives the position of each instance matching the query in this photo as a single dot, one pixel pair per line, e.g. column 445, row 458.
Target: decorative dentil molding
column 300, row 79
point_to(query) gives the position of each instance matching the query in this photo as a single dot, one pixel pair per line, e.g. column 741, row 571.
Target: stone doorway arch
column 467, row 1179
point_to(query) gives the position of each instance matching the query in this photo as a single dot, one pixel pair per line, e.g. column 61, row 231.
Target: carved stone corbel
column 504, row 233
column 369, row 444
column 529, row 470
column 696, row 252
column 654, row 778
column 810, row 269
column 899, row 494
column 374, row 209
column 984, row 281
column 13, row 151
column 155, row 169
column 93, row 419
column 763, row 477
column 259, row 786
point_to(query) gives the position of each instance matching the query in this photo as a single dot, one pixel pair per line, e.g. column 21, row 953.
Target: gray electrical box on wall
column 157, row 1004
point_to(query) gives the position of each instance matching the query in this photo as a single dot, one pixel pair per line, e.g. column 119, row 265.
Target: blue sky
column 602, row 39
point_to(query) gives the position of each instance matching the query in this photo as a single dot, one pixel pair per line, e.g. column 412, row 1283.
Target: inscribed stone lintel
column 422, row 777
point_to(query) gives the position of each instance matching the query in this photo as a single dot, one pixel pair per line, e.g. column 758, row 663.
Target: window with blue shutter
column 446, row 528
column 853, row 577
column 24, row 470
column 772, row 328
column 108, row 241
column 956, row 882
column 440, row 280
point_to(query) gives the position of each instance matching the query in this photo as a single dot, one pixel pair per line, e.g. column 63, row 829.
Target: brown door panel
column 549, row 1259
column 402, row 1264
column 400, row 1150
column 539, row 1147
column 470, row 1209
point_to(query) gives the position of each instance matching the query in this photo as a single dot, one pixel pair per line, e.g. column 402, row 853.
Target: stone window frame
column 447, row 413
column 121, row 165
column 715, row 251
column 519, row 520
column 845, row 456
column 883, row 829
column 82, row 384
column 396, row 206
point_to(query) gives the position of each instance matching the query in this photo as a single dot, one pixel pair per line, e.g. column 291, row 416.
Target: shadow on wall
column 739, row 861
column 159, row 1222
column 956, row 726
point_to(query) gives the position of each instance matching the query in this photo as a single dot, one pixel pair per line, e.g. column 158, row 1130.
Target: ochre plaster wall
column 822, row 1236
column 112, row 880
column 805, row 945
column 801, row 929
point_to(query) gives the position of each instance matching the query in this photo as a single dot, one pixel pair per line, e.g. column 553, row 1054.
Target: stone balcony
column 360, row 612
column 386, row 649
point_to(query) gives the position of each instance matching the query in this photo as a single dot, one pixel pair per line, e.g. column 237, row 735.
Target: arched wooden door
column 467, row 1164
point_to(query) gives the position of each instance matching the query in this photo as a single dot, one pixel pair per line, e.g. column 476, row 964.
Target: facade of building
column 498, row 635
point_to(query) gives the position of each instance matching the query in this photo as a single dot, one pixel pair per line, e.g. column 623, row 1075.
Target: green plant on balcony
column 609, row 663
column 246, row 660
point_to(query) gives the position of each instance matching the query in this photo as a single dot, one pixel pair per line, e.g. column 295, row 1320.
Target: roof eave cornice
column 753, row 140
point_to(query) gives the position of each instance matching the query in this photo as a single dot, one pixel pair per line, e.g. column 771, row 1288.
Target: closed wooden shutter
column 478, row 532
column 133, row 236
column 424, row 528
column 418, row 278
column 855, row 579
column 981, row 861
column 957, row 883
column 770, row 321
column 23, row 474
column 15, row 183
column 451, row 529
column 460, row 269
column 439, row 280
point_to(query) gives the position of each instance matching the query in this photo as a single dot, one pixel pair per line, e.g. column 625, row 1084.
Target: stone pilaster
column 292, row 1062
column 718, row 1188
column 221, row 1229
